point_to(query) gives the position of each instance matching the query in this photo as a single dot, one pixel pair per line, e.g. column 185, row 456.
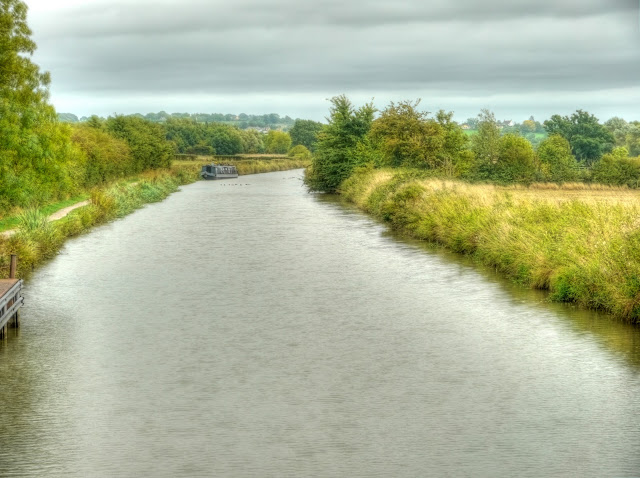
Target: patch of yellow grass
column 581, row 243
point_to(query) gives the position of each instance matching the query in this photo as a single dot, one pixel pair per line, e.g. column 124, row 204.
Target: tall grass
column 37, row 239
column 583, row 245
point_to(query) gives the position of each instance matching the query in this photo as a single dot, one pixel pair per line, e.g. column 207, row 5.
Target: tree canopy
column 336, row 148
column 305, row 132
column 35, row 153
column 589, row 139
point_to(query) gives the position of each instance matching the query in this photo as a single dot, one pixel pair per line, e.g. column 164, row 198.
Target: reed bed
column 580, row 243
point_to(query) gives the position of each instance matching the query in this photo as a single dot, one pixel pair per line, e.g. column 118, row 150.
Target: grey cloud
column 114, row 19
column 442, row 56
column 378, row 47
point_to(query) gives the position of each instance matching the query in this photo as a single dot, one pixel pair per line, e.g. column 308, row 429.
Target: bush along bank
column 583, row 248
column 37, row 239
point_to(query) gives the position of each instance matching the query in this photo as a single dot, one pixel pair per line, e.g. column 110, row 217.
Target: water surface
column 248, row 328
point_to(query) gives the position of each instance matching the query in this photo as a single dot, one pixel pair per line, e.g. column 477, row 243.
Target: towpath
column 53, row 217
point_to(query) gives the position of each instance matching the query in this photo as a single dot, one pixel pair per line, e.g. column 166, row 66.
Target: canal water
column 248, row 328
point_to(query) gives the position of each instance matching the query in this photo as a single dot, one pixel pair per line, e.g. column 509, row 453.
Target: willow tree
column 34, row 148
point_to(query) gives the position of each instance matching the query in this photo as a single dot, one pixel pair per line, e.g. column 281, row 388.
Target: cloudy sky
column 516, row 57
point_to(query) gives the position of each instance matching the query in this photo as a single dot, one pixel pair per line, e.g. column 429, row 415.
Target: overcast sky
column 517, row 58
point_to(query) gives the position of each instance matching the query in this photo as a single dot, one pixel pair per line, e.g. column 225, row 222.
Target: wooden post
column 13, row 267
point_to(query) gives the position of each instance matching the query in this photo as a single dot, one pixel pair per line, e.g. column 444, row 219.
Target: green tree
column 617, row 168
column 305, row 132
column 252, row 141
column 528, row 126
column 619, row 128
column 454, row 158
column 557, row 163
column 516, row 160
column 225, row 139
column 277, row 142
column 105, row 157
column 147, row 141
column 408, row 137
column 335, row 155
column 299, row 152
column 632, row 138
column 36, row 156
column 486, row 144
column 589, row 139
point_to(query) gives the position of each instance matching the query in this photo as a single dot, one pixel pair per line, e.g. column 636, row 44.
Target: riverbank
column 192, row 168
column 580, row 242
column 37, row 238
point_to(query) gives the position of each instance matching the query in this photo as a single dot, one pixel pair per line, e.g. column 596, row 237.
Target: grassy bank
column 37, row 239
column 582, row 243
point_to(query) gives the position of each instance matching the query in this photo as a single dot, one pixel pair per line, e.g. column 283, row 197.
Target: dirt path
column 63, row 212
column 53, row 217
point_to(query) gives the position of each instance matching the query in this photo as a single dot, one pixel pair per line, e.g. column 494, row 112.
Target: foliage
column 242, row 120
column 252, row 142
column 68, row 118
column 192, row 137
column 485, row 144
column 224, row 139
column 305, row 132
column 21, row 81
column 149, row 149
column 617, row 168
column 106, row 158
column 299, row 152
column 335, row 156
column 277, row 142
column 37, row 163
column 407, row 137
column 454, row 157
column 589, row 139
column 583, row 250
column 557, row 163
column 516, row 160
column 38, row 239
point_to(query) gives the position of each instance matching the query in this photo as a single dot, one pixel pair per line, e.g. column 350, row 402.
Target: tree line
column 242, row 121
column 578, row 147
column 44, row 158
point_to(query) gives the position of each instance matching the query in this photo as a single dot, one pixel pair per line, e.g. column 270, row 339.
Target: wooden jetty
column 10, row 300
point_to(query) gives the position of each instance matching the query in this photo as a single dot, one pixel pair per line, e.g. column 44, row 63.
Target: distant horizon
column 516, row 59
column 517, row 119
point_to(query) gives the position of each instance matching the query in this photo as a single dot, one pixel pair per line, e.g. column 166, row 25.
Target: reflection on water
column 248, row 328
column 620, row 338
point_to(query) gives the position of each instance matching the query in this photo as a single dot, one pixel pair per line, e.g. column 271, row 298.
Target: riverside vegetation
column 120, row 163
column 483, row 197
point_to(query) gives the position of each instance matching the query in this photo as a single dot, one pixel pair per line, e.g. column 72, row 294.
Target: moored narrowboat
column 218, row 171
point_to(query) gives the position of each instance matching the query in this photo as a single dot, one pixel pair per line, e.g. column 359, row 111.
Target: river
column 247, row 328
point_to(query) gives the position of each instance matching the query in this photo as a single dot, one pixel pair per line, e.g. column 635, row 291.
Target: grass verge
column 581, row 244
column 12, row 222
column 37, row 239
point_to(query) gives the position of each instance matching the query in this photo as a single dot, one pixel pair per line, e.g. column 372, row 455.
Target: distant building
column 465, row 126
